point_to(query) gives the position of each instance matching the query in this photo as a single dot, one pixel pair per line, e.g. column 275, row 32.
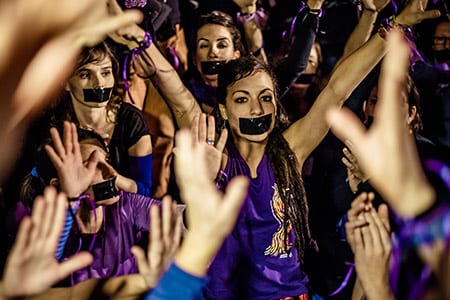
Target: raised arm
column 364, row 28
column 163, row 75
column 304, row 135
column 306, row 27
column 387, row 153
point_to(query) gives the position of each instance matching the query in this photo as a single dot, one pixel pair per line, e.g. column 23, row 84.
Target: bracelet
column 221, row 180
column 258, row 16
column 131, row 57
column 428, row 228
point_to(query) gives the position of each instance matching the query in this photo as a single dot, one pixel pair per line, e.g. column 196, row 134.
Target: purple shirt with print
column 254, row 262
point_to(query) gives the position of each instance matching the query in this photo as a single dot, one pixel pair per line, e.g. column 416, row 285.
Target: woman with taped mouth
column 217, row 40
column 101, row 219
column 92, row 101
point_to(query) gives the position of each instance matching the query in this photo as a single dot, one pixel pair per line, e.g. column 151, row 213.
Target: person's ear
column 54, row 182
column 67, row 87
column 412, row 114
column 237, row 54
column 223, row 111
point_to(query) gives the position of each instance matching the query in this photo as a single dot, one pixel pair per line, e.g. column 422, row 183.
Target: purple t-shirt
column 254, row 262
column 123, row 222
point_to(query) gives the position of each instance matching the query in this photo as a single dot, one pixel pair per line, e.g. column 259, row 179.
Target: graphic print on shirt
column 278, row 246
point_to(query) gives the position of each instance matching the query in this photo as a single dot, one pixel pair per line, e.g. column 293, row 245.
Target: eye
column 240, row 100
column 222, row 45
column 312, row 62
column 106, row 73
column 84, row 75
column 267, row 98
column 203, row 46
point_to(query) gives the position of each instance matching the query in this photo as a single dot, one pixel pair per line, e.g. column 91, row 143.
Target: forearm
column 169, row 84
column 361, row 33
column 196, row 253
column 349, row 74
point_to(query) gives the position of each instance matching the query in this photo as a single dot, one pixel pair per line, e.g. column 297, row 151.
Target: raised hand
column 31, row 267
column 204, row 128
column 414, row 13
column 164, row 241
column 74, row 175
column 211, row 214
column 387, row 152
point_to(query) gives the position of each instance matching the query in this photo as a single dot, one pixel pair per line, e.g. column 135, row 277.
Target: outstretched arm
column 307, row 25
column 364, row 28
column 305, row 134
column 387, row 153
column 163, row 75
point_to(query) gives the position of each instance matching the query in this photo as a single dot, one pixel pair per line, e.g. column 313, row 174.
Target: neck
column 96, row 118
column 252, row 153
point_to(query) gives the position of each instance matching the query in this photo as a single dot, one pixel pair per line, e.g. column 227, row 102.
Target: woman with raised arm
column 217, row 40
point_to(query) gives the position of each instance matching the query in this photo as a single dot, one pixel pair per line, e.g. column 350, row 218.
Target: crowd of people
column 182, row 149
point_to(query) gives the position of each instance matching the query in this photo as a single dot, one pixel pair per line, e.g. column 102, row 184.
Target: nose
column 213, row 51
column 98, row 81
column 256, row 108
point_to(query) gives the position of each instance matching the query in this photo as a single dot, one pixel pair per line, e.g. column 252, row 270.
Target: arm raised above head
column 305, row 134
column 163, row 75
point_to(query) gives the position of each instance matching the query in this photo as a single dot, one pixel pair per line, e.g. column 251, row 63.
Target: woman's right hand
column 74, row 175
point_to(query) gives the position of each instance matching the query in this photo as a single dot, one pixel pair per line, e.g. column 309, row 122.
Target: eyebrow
column 219, row 39
column 248, row 93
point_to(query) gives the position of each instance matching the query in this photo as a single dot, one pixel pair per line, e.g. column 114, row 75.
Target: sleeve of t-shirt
column 135, row 124
column 140, row 209
column 177, row 284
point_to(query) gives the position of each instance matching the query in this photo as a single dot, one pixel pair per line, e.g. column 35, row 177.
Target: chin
column 259, row 138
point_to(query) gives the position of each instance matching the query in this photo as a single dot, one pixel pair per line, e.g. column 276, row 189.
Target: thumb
column 431, row 14
column 92, row 162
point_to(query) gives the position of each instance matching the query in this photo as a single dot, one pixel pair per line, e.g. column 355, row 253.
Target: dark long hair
column 282, row 159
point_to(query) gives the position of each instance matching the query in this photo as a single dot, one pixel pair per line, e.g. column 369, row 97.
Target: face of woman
column 250, row 107
column 214, row 43
column 102, row 173
column 92, row 83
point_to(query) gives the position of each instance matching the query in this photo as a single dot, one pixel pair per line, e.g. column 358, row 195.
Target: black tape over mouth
column 255, row 126
column 305, row 78
column 212, row 67
column 97, row 95
column 105, row 190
